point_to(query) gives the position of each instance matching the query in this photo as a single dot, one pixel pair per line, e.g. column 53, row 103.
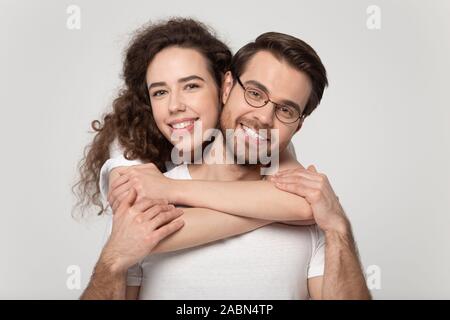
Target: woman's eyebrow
column 157, row 84
column 189, row 78
column 181, row 80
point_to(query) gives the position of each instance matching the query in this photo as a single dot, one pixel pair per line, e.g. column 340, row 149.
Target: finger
column 291, row 171
column 145, row 204
column 118, row 200
column 114, row 194
column 122, row 170
column 168, row 229
column 115, row 205
column 156, row 209
column 312, row 168
column 148, row 165
column 119, row 181
column 295, row 188
column 298, row 172
column 127, row 202
column 165, row 217
column 298, row 179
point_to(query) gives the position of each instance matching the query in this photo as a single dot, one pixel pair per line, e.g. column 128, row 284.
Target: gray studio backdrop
column 381, row 133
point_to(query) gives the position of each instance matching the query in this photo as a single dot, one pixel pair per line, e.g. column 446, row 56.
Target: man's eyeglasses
column 257, row 98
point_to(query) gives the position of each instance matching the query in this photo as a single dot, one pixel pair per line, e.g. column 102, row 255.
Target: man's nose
column 265, row 115
column 176, row 103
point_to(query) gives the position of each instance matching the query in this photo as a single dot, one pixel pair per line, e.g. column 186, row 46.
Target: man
column 274, row 83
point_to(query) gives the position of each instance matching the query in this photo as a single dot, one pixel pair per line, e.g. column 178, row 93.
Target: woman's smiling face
column 183, row 94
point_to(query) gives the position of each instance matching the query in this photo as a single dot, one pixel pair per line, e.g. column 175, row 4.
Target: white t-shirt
column 272, row 262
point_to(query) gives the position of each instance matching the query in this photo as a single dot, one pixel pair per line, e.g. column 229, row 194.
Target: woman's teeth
column 182, row 125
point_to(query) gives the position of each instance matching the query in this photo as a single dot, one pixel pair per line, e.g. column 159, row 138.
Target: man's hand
column 138, row 226
column 343, row 276
column 316, row 189
column 146, row 179
column 137, row 229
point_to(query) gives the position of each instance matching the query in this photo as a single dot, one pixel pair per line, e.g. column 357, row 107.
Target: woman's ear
column 227, row 85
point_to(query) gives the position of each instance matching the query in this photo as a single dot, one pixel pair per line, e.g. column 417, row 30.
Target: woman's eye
column 191, row 86
column 158, row 93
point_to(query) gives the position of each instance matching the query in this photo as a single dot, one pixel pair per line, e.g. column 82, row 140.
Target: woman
column 196, row 61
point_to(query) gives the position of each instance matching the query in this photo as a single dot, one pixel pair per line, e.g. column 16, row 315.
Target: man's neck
column 223, row 172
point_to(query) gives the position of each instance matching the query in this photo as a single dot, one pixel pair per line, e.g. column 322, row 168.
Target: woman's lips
column 183, row 125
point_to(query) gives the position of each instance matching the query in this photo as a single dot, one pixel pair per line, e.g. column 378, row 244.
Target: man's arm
column 132, row 293
column 343, row 276
column 138, row 226
column 106, row 283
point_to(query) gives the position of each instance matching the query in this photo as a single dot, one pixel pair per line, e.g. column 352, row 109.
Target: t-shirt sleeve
column 134, row 275
column 317, row 263
column 116, row 159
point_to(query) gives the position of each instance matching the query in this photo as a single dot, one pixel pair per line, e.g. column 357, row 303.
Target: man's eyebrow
column 258, row 85
column 292, row 104
column 262, row 87
column 181, row 80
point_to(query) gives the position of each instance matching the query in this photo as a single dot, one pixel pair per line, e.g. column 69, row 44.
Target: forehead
column 282, row 80
column 175, row 63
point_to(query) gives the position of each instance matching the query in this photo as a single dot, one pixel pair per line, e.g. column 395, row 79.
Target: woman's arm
column 253, row 199
column 202, row 226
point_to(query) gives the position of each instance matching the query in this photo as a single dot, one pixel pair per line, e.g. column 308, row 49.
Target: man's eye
column 286, row 110
column 158, row 93
column 254, row 94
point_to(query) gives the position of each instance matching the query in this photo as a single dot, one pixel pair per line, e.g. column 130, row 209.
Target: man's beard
column 245, row 152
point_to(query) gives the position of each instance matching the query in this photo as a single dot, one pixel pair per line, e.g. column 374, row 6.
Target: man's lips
column 258, row 135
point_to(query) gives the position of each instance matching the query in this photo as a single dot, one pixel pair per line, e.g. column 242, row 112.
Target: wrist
column 176, row 193
column 111, row 264
column 340, row 228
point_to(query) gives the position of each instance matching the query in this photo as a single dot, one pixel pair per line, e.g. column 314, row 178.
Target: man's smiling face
column 282, row 83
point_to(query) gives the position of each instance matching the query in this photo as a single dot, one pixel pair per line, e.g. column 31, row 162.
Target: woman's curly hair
column 131, row 121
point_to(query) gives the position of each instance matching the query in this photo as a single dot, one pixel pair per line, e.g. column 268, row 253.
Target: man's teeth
column 182, row 125
column 252, row 133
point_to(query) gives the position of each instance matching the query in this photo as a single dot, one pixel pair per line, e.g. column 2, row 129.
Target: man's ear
column 227, row 85
column 300, row 124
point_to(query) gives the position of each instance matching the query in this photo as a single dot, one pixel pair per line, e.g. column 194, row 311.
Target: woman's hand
column 317, row 190
column 146, row 179
column 138, row 226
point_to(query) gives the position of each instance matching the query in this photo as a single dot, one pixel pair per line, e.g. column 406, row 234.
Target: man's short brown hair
column 296, row 52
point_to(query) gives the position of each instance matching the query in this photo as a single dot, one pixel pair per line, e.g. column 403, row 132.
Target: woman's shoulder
column 178, row 172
